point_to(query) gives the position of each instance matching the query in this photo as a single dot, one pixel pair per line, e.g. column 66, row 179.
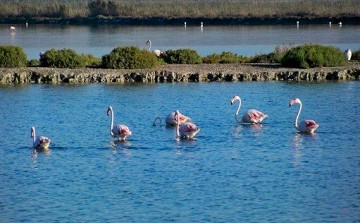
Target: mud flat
column 178, row 73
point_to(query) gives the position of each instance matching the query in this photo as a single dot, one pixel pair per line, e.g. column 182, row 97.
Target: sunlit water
column 229, row 173
column 242, row 40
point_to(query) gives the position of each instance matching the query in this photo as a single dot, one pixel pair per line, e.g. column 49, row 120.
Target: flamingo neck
column 112, row 122
column 237, row 119
column 177, row 130
column 297, row 116
column 33, row 135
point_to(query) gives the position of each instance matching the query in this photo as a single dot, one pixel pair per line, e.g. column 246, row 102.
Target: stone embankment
column 178, row 73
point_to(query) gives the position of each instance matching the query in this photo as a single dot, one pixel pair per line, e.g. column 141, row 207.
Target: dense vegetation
column 312, row 55
column 182, row 56
column 304, row 56
column 129, row 58
column 180, row 8
column 12, row 56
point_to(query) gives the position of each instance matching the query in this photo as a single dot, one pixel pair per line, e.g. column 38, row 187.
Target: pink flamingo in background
column 251, row 116
column 186, row 130
column 170, row 119
column 119, row 131
column 306, row 126
column 39, row 142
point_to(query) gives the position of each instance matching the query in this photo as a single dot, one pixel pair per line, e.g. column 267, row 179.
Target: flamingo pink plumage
column 118, row 131
column 39, row 142
column 187, row 130
column 306, row 126
column 251, row 116
column 170, row 119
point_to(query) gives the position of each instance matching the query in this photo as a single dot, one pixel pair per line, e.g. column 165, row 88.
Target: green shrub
column 312, row 55
column 64, row 58
column 182, row 56
column 90, row 60
column 129, row 58
column 273, row 57
column 33, row 63
column 355, row 55
column 225, row 57
column 12, row 56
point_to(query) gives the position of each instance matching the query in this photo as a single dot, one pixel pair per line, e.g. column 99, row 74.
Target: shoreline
column 151, row 21
column 171, row 73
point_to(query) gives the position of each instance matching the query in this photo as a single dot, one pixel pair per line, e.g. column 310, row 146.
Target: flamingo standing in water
column 170, row 119
column 251, row 116
column 118, row 131
column 39, row 142
column 187, row 130
column 306, row 126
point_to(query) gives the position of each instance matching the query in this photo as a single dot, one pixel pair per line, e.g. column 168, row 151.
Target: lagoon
column 242, row 39
column 230, row 173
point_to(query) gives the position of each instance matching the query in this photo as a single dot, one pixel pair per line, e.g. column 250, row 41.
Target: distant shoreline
column 172, row 73
column 180, row 21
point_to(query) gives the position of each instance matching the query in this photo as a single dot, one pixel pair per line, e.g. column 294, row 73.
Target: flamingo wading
column 170, row 119
column 39, row 142
column 306, row 126
column 251, row 116
column 187, row 130
column 118, row 131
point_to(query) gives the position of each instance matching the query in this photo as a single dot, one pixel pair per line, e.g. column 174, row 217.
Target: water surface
column 242, row 40
column 230, row 173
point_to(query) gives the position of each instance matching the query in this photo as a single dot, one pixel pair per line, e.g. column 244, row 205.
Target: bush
column 182, row 56
column 311, row 55
column 355, row 55
column 273, row 57
column 65, row 58
column 90, row 60
column 12, row 56
column 129, row 58
column 225, row 57
column 33, row 63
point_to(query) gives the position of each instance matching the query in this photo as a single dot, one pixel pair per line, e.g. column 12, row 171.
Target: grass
column 181, row 8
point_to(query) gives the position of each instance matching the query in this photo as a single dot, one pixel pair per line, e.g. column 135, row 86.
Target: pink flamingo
column 251, row 116
column 119, row 131
column 186, row 130
column 306, row 126
column 39, row 142
column 170, row 119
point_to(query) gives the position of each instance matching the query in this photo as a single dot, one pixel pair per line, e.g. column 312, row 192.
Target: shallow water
column 242, row 40
column 230, row 173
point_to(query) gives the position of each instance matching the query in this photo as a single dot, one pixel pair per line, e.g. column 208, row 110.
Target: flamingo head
column 109, row 110
column 294, row 101
column 233, row 99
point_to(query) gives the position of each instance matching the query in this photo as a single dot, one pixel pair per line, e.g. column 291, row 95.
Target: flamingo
column 170, row 119
column 348, row 54
column 186, row 130
column 157, row 52
column 306, row 126
column 39, row 142
column 119, row 131
column 251, row 116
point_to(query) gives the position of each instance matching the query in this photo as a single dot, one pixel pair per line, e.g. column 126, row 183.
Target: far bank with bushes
column 141, row 65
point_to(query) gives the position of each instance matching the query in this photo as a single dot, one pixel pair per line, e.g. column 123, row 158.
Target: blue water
column 230, row 173
column 242, row 40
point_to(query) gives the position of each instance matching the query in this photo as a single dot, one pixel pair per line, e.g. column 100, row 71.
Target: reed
column 182, row 8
